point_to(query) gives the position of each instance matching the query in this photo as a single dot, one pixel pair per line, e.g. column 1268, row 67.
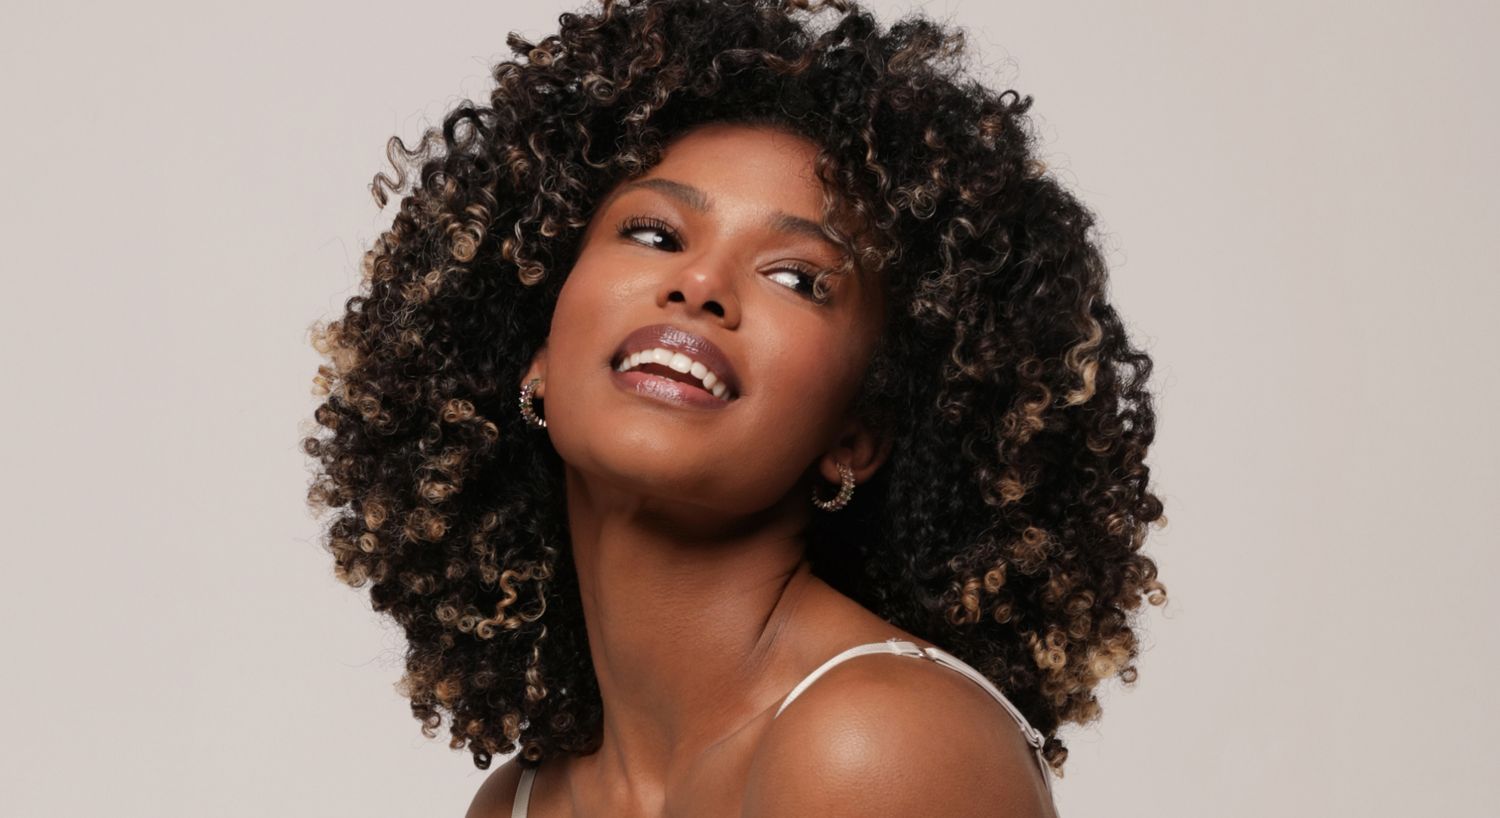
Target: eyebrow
column 780, row 220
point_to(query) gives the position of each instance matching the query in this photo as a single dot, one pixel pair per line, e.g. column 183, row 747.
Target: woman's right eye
column 634, row 225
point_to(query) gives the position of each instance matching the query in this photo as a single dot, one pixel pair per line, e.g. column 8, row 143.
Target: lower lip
column 665, row 390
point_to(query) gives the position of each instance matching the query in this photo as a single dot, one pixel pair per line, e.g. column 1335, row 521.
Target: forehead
column 754, row 145
column 739, row 166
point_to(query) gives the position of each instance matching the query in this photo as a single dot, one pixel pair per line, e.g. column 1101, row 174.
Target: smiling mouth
column 684, row 357
column 678, row 367
column 661, row 382
column 664, row 371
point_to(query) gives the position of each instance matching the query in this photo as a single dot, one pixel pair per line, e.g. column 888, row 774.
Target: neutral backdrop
column 1299, row 202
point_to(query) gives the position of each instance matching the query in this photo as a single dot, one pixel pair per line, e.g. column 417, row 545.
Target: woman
column 735, row 423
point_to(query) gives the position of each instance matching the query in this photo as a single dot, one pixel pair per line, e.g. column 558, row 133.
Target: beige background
column 1300, row 205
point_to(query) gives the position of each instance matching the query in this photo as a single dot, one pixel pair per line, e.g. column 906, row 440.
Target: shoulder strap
column 888, row 646
column 902, row 647
column 523, row 793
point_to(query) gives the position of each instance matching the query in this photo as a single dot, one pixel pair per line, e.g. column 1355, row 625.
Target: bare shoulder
column 892, row 735
column 498, row 792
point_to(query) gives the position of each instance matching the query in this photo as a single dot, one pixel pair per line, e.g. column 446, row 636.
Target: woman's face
column 716, row 247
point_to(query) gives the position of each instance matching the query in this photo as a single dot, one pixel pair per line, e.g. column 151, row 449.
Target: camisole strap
column 523, row 793
column 903, row 647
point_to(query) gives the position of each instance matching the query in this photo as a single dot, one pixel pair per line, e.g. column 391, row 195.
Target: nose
column 704, row 283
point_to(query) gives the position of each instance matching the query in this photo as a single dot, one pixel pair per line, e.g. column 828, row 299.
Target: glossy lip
column 692, row 345
column 662, row 388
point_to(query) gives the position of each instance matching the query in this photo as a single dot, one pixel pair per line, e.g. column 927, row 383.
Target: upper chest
column 713, row 787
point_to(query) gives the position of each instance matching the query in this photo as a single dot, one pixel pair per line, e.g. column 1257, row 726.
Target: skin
column 687, row 524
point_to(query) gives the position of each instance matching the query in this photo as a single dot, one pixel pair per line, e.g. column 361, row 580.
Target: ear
column 536, row 369
column 862, row 447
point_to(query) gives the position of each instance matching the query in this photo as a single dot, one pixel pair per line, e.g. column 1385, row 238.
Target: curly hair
column 1006, row 525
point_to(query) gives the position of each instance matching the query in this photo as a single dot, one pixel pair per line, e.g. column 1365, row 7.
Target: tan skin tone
column 687, row 524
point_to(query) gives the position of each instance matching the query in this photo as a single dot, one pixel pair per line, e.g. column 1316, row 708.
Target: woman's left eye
column 798, row 273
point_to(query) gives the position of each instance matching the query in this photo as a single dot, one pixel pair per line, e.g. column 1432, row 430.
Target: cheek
column 806, row 379
column 584, row 296
column 602, row 282
column 575, row 293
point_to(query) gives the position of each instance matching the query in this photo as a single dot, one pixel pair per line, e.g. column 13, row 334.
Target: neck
column 685, row 622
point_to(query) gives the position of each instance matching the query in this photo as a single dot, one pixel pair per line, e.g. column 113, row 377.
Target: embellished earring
column 527, row 410
column 846, row 490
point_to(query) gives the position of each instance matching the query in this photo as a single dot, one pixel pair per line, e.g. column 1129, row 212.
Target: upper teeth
column 679, row 362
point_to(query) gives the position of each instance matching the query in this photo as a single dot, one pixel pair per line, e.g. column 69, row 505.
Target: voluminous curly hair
column 1007, row 523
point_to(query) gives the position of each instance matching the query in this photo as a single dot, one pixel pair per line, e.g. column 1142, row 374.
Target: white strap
column 904, row 647
column 523, row 793
column 888, row 646
column 1033, row 736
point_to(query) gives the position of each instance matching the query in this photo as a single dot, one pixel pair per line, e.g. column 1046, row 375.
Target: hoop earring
column 527, row 410
column 846, row 490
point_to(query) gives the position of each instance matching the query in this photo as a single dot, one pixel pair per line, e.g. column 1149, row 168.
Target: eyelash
column 635, row 223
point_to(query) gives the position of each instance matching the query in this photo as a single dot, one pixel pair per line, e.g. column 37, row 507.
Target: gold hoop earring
column 846, row 490
column 528, row 411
